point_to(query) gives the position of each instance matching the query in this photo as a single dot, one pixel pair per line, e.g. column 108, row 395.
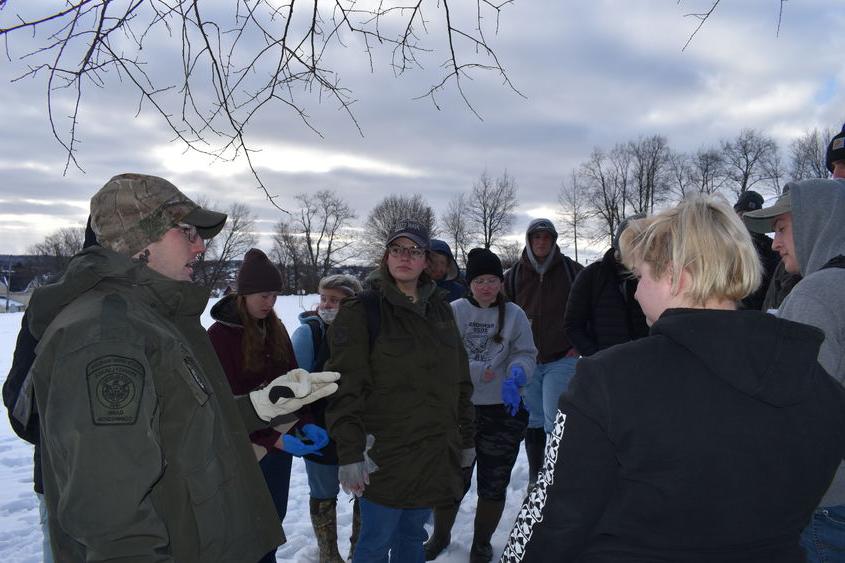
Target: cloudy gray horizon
column 593, row 73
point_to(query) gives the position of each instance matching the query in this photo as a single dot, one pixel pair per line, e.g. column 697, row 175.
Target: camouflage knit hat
column 134, row 210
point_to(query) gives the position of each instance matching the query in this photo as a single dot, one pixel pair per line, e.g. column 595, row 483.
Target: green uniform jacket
column 145, row 453
column 411, row 392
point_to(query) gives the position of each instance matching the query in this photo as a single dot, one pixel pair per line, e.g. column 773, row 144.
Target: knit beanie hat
column 836, row 149
column 257, row 274
column 480, row 262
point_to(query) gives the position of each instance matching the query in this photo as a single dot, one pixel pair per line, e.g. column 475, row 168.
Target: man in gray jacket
column 807, row 221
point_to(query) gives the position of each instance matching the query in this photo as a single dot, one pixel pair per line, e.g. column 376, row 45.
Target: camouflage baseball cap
column 134, row 210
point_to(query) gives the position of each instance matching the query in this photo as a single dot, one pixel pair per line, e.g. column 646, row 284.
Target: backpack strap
column 372, row 309
column 835, row 262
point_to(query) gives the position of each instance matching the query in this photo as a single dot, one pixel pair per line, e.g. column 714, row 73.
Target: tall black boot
column 487, row 516
column 441, row 536
column 535, row 449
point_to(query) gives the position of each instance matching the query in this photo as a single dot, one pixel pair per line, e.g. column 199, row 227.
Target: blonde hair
column 703, row 236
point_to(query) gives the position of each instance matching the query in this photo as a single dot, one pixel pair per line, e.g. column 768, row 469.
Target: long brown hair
column 256, row 343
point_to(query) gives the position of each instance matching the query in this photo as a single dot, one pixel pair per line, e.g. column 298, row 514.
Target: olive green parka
column 145, row 450
column 411, row 392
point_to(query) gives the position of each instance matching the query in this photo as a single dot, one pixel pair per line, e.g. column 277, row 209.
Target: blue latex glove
column 318, row 436
column 295, row 444
column 510, row 389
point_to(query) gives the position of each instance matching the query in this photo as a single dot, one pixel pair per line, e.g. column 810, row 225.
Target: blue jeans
column 543, row 392
column 397, row 530
column 824, row 539
column 322, row 480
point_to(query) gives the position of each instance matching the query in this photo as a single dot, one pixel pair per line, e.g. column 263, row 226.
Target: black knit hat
column 836, row 149
column 749, row 200
column 258, row 274
column 480, row 262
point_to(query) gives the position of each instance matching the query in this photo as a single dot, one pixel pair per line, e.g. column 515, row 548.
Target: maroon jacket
column 226, row 334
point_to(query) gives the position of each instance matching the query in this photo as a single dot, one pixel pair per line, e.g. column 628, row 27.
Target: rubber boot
column 535, row 451
column 441, row 536
column 356, row 528
column 324, row 521
column 487, row 516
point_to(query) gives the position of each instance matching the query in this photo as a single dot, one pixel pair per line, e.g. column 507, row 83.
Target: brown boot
column 487, row 516
column 441, row 536
column 324, row 521
column 356, row 528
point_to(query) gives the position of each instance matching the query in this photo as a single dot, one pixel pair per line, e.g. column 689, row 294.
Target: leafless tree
column 455, row 227
column 680, row 174
column 214, row 269
column 490, row 207
column 290, row 256
column 744, row 159
column 509, row 252
column 322, row 217
column 607, row 179
column 59, row 247
column 649, row 157
column 236, row 60
column 702, row 18
column 575, row 210
column 708, row 170
column 386, row 216
column 807, row 154
column 775, row 171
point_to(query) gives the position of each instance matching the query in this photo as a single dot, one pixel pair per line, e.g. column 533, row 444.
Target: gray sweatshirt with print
column 478, row 326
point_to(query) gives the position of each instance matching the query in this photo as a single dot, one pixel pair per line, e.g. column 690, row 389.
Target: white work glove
column 289, row 392
column 354, row 477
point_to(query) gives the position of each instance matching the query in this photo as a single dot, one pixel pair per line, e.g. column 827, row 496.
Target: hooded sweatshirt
column 478, row 327
column 711, row 440
column 818, row 216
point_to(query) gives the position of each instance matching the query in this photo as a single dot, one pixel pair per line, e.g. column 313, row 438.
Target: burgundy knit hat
column 258, row 274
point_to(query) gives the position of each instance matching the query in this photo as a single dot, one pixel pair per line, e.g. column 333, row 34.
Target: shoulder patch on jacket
column 115, row 388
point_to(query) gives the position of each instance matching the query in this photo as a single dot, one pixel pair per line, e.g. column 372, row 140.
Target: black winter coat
column 601, row 311
column 711, row 440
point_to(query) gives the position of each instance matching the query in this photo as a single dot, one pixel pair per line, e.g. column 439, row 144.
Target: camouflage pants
column 497, row 439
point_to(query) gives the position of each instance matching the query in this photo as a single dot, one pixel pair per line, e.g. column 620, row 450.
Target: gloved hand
column 354, row 477
column 510, row 388
column 289, row 392
column 295, row 446
column 318, row 436
column 467, row 457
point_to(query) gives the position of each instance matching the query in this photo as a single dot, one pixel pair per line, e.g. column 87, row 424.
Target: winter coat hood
column 306, row 316
column 818, row 213
column 756, row 353
column 441, row 247
column 226, row 311
column 96, row 265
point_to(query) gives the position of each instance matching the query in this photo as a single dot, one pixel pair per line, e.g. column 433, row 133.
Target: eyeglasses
column 190, row 231
column 415, row 252
column 487, row 281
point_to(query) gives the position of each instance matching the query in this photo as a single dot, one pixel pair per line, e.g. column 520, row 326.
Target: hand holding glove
column 289, row 392
column 295, row 445
column 354, row 477
column 510, row 389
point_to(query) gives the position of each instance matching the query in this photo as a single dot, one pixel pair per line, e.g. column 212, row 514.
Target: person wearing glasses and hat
column 145, row 454
column 402, row 417
column 750, row 200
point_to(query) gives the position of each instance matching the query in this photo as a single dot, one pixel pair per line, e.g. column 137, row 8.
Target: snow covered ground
column 20, row 533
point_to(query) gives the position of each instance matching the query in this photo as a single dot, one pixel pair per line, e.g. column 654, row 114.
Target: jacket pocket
column 195, row 380
column 206, row 487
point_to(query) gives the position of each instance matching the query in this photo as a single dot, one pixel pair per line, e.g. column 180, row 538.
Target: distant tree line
column 320, row 237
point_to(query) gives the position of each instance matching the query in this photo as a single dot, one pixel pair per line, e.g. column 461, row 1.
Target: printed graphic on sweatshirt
column 478, row 341
column 532, row 508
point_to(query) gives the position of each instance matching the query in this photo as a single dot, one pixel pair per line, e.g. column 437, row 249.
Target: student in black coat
column 601, row 310
column 711, row 440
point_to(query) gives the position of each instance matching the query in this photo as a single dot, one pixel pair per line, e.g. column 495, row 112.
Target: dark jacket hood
column 756, row 353
column 441, row 247
column 226, row 311
column 94, row 266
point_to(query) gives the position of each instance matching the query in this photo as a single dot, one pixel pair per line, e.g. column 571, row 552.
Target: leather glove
column 289, row 392
column 467, row 457
column 510, row 389
column 354, row 477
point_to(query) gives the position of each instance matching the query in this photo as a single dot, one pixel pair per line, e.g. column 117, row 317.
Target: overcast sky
column 592, row 72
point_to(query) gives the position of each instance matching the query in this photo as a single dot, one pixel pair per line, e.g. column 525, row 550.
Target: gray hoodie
column 478, row 326
column 818, row 213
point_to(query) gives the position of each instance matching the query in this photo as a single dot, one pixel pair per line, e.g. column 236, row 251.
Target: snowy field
column 20, row 533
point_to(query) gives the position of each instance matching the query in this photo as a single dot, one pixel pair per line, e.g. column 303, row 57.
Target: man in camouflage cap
column 145, row 454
